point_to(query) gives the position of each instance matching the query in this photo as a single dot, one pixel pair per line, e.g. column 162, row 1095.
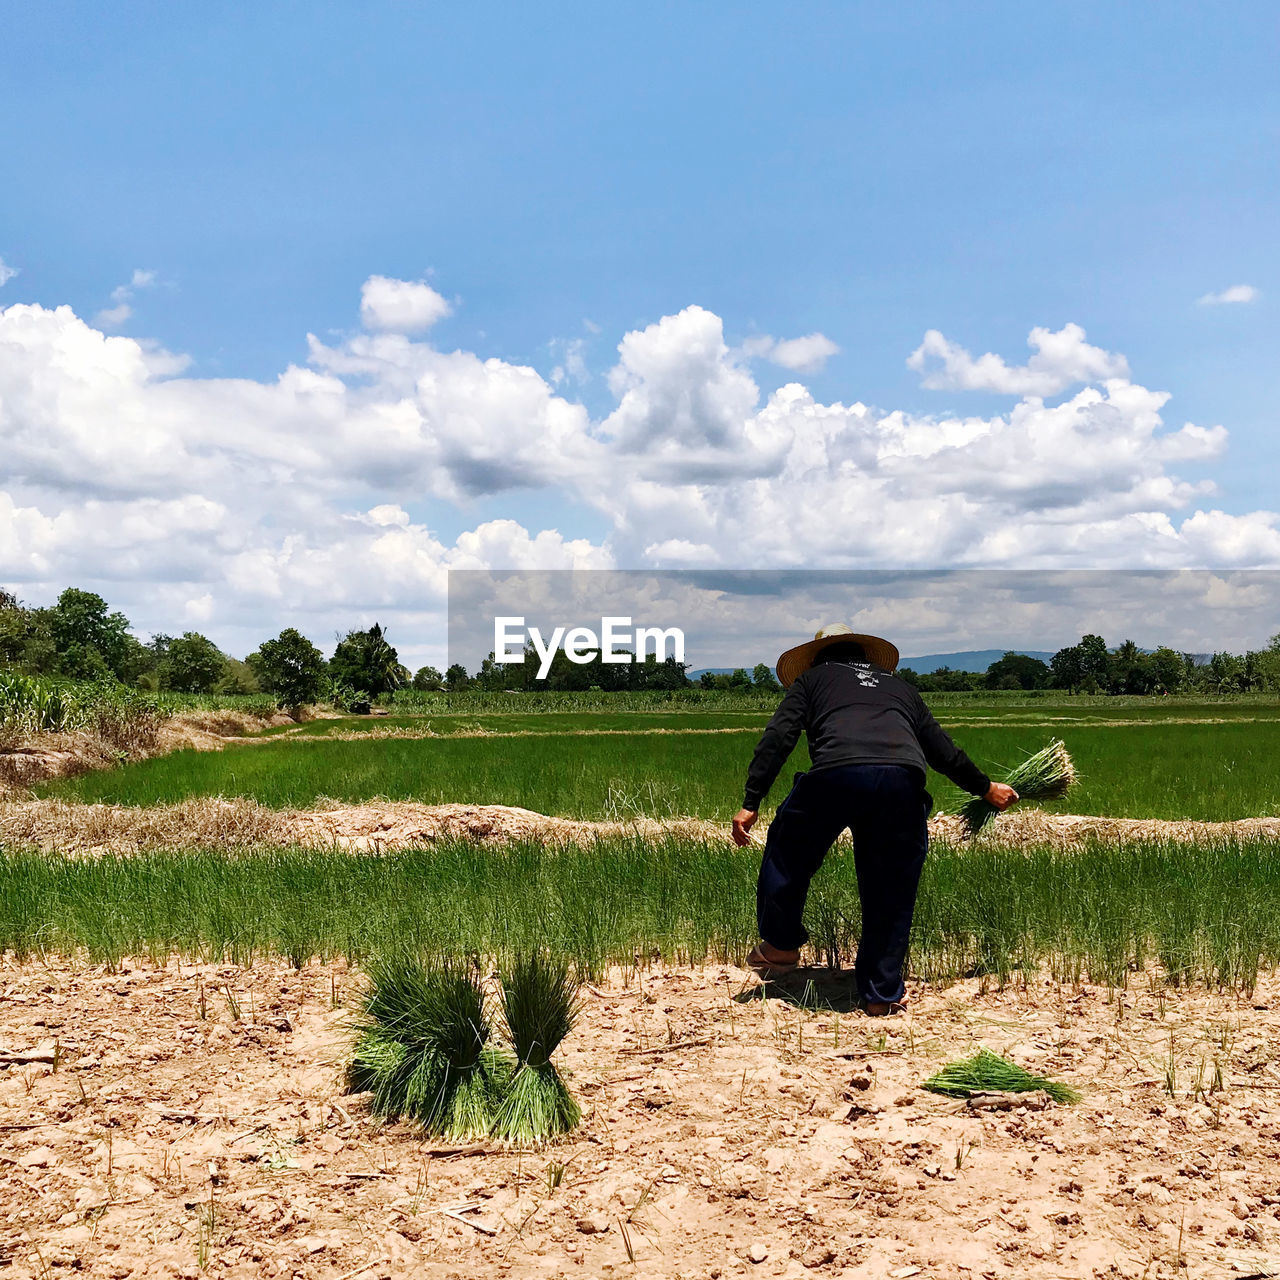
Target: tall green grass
column 1204, row 912
column 44, row 704
column 1213, row 771
column 29, row 704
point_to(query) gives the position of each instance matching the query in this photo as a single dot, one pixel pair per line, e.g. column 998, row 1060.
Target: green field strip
column 1104, row 913
column 1206, row 772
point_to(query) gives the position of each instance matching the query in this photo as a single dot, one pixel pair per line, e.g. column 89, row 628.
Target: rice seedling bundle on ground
column 987, row 1071
column 423, row 1049
column 1046, row 775
column 539, row 1004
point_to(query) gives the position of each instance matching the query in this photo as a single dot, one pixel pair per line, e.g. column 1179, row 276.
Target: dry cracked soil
column 184, row 1120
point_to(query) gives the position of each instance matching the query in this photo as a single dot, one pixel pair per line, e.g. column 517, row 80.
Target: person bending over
column 870, row 739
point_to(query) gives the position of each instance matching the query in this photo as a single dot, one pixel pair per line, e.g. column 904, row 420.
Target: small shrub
column 126, row 721
column 342, row 697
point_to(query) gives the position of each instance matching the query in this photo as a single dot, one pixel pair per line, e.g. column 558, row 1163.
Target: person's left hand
column 743, row 821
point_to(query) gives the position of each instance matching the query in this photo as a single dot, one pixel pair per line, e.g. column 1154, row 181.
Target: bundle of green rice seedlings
column 539, row 1004
column 1046, row 775
column 422, row 1048
column 987, row 1071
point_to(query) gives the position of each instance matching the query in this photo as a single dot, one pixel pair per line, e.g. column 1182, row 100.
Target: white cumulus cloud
column 316, row 497
column 1062, row 359
column 6, row 272
column 400, row 306
column 114, row 316
column 1233, row 293
column 686, row 407
column 804, row 355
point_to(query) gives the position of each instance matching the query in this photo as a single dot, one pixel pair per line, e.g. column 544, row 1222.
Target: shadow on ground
column 808, row 987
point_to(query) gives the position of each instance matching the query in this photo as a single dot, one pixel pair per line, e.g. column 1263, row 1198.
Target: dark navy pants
column 887, row 809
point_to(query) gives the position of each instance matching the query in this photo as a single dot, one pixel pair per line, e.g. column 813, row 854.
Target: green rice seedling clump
column 539, row 1005
column 989, row 1071
column 1046, row 775
column 422, row 1047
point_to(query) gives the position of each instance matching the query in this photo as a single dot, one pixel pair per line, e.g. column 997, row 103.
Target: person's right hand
column 1000, row 795
column 743, row 821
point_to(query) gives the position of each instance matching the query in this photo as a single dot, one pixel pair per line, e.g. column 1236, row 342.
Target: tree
column 13, row 632
column 239, row 678
column 667, row 674
column 1081, row 666
column 1167, row 669
column 1093, row 658
column 192, row 664
column 1017, row 671
column 90, row 641
column 367, row 662
column 25, row 639
column 764, row 679
column 1131, row 671
column 427, row 678
column 1064, row 667
column 456, row 678
column 291, row 667
column 1267, row 666
column 947, row 680
column 1227, row 673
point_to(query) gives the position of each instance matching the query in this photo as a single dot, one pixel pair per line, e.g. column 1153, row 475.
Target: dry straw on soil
column 40, row 757
column 95, row 828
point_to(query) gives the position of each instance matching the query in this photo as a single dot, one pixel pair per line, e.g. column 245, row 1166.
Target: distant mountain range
column 967, row 660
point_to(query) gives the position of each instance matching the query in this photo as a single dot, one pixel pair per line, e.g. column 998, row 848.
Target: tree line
column 80, row 637
column 1090, row 666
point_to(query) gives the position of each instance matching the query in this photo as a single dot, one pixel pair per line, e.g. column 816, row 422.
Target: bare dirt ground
column 390, row 825
column 194, row 1124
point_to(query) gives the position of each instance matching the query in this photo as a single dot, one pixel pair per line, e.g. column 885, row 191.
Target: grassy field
column 1207, row 913
column 476, row 702
column 545, row 722
column 1202, row 761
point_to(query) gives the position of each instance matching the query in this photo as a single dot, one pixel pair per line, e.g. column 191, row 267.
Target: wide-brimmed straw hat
column 794, row 661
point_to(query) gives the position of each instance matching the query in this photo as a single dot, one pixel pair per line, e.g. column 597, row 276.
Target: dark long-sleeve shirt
column 855, row 713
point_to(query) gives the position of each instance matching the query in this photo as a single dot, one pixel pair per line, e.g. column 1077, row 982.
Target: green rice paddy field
column 1204, row 912
column 1211, row 759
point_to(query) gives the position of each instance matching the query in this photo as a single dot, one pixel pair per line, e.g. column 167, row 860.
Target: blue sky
column 578, row 172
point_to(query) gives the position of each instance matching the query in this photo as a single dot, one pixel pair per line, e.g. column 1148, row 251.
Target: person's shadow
column 814, row 987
